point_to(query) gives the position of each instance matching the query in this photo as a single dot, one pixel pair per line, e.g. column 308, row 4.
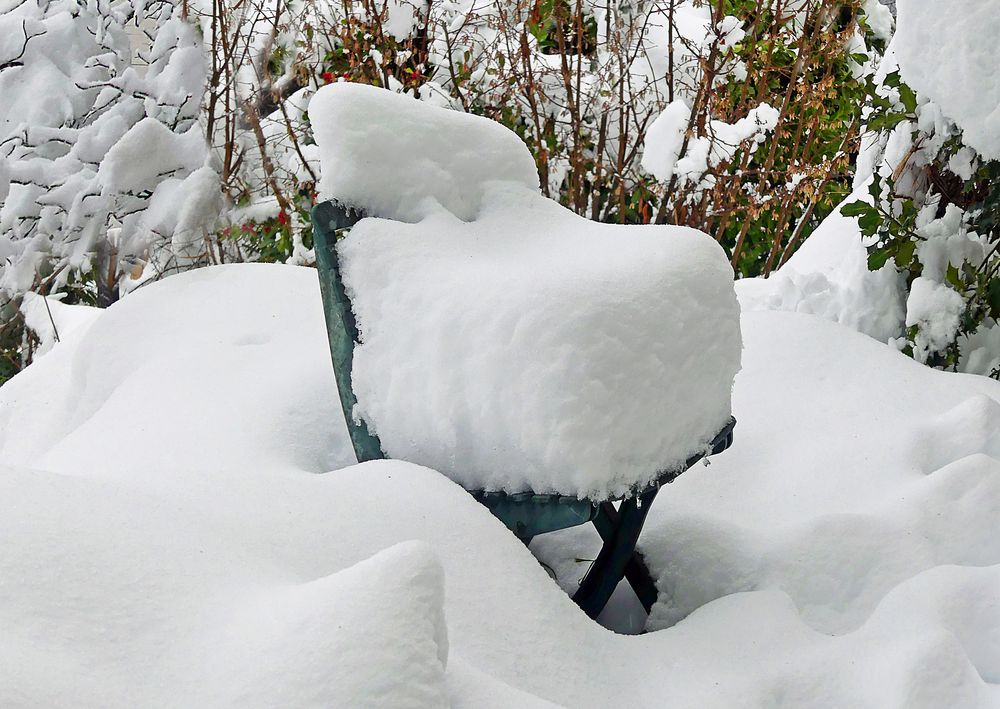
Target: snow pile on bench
column 530, row 349
column 390, row 154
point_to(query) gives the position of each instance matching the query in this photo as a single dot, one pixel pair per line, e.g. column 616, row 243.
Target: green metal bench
column 525, row 514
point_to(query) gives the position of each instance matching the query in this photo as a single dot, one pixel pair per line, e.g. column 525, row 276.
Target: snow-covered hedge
column 932, row 207
column 754, row 147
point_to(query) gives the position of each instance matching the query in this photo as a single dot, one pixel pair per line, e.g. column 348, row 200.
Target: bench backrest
column 328, row 219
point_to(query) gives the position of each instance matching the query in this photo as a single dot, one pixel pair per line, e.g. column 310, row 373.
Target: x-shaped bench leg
column 618, row 558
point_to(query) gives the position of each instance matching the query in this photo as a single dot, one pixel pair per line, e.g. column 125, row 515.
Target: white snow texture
column 168, row 541
column 551, row 353
column 388, row 154
column 950, row 54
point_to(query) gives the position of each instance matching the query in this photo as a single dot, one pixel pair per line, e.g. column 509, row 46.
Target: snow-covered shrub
column 106, row 175
column 933, row 204
column 254, row 114
column 737, row 117
column 266, row 61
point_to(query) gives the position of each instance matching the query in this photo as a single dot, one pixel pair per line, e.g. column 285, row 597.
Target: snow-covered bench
column 547, row 363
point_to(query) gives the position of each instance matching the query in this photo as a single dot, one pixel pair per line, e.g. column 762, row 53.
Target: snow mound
column 372, row 635
column 951, row 58
column 971, row 427
column 127, row 363
column 201, row 603
column 851, row 407
column 532, row 349
column 828, row 276
column 390, row 154
column 174, row 546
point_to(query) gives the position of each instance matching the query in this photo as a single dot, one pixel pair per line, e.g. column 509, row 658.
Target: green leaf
column 877, row 259
column 993, row 296
column 904, row 254
column 908, row 212
column 953, row 278
column 869, row 221
column 875, row 189
column 908, row 98
column 886, row 121
column 855, row 209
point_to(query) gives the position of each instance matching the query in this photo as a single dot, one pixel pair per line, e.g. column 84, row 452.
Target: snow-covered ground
column 182, row 526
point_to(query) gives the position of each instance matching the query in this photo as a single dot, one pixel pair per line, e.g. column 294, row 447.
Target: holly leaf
column 954, row 278
column 908, row 98
column 993, row 296
column 877, row 259
column 855, row 209
column 869, row 221
column 904, row 254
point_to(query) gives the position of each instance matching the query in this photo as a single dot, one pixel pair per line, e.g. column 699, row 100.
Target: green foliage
column 825, row 97
column 11, row 339
column 272, row 240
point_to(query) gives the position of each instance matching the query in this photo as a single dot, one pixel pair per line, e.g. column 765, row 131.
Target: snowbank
column 128, row 361
column 201, row 616
column 173, row 545
column 388, row 153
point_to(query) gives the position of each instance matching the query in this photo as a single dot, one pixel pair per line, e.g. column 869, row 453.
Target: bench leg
column 618, row 558
column 636, row 572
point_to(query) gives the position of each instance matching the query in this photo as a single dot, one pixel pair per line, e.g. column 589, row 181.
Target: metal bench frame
column 525, row 514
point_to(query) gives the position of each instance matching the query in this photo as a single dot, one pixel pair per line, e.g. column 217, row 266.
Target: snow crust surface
column 168, row 540
column 393, row 156
column 951, row 58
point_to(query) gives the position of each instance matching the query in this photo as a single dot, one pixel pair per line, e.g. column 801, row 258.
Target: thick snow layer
column 167, row 541
column 951, row 58
column 532, row 349
column 170, row 332
column 163, row 151
column 390, row 154
column 506, row 341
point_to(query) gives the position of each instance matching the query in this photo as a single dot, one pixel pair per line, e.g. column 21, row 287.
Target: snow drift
column 169, row 541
